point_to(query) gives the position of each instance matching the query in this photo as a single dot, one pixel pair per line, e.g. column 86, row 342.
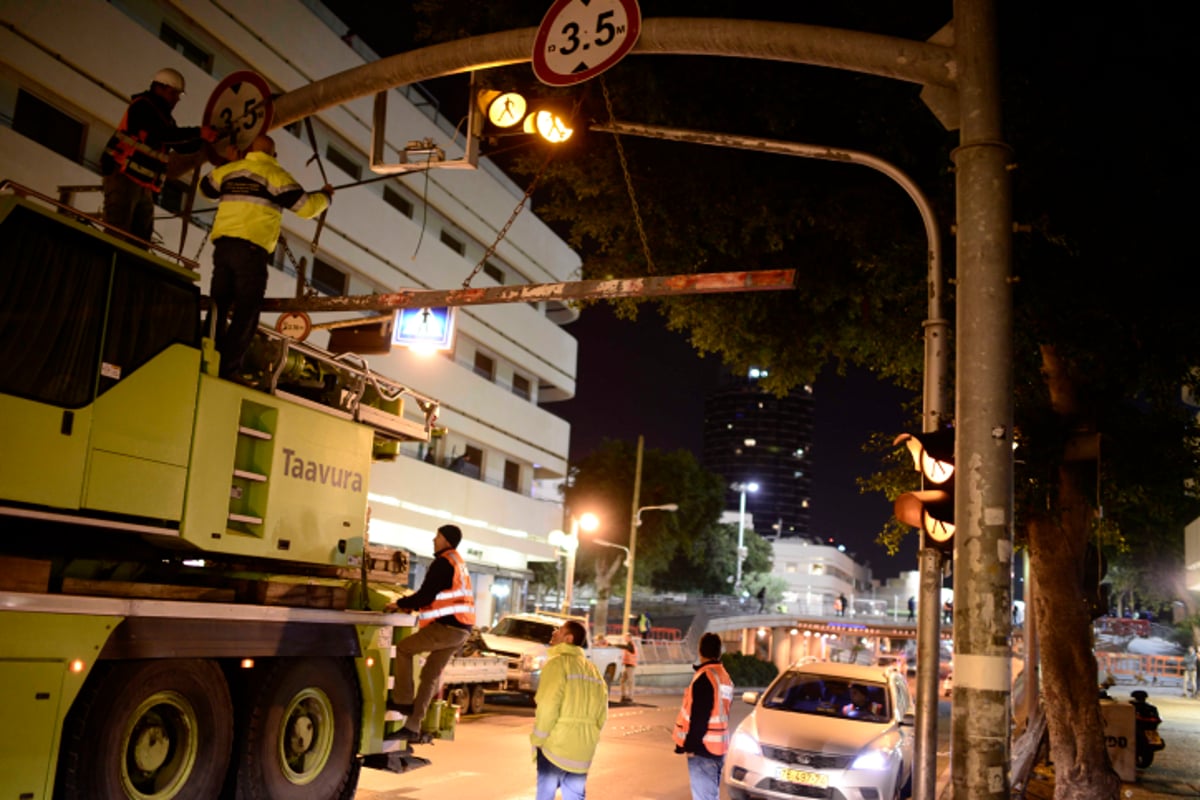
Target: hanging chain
column 637, row 214
column 512, row 217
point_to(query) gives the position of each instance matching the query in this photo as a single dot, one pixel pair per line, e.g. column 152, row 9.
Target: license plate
column 1153, row 738
column 804, row 777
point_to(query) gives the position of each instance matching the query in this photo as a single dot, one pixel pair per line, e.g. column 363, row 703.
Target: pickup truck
column 523, row 640
column 467, row 679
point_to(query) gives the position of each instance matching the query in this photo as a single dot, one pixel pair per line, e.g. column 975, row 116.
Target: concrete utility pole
column 983, row 504
column 962, row 80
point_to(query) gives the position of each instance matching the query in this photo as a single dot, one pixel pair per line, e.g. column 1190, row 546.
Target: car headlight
column 531, row 662
column 743, row 742
column 873, row 760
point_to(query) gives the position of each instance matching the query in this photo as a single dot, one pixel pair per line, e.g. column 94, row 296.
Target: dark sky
column 639, row 378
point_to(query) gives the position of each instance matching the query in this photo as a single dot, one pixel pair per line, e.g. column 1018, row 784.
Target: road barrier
column 1138, row 668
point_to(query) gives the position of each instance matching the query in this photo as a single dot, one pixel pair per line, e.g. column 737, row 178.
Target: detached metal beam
column 702, row 283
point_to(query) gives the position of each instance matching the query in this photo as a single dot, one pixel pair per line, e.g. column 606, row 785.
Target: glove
column 208, row 134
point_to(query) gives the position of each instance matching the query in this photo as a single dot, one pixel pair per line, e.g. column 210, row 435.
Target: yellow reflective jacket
column 253, row 193
column 572, row 707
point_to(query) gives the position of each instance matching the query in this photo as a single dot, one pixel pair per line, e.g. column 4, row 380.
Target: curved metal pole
column 937, row 359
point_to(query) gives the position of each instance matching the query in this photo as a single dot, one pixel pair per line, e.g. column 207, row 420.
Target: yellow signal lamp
column 503, row 109
column 548, row 124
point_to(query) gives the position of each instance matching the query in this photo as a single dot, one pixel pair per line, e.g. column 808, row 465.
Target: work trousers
column 1189, row 682
column 441, row 642
column 627, row 679
column 128, row 206
column 239, row 281
column 551, row 777
column 704, row 774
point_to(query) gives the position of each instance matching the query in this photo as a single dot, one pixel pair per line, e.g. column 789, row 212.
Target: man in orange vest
column 629, row 660
column 702, row 726
column 445, row 606
column 134, row 162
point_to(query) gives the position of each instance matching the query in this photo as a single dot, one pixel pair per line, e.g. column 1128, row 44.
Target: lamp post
column 629, row 554
column 569, row 542
column 741, row 489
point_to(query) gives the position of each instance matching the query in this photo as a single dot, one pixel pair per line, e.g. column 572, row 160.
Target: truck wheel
column 458, row 696
column 150, row 730
column 478, row 697
column 301, row 737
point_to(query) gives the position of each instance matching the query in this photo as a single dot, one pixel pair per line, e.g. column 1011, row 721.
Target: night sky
column 639, row 378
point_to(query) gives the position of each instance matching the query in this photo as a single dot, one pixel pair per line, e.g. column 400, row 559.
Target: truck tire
column 458, row 696
column 478, row 698
column 152, row 730
column 301, row 735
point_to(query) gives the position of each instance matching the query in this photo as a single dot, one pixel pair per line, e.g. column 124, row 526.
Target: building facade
column 753, row 436
column 69, row 68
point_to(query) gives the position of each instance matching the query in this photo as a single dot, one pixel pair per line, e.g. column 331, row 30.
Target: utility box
column 1120, row 737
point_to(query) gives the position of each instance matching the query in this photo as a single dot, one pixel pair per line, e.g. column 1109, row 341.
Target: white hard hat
column 169, row 77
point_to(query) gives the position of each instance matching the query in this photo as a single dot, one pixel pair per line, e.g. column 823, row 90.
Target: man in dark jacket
column 445, row 606
column 134, row 163
column 702, row 726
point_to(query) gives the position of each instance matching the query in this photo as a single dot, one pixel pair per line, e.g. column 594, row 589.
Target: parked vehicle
column 1146, row 722
column 466, row 680
column 524, row 639
column 823, row 729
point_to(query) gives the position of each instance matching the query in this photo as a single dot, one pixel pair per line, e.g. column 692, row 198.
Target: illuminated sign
column 425, row 328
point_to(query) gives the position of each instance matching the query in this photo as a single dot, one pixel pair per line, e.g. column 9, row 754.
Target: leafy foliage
column 746, row 670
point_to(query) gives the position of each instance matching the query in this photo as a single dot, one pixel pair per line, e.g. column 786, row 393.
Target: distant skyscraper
column 752, row 435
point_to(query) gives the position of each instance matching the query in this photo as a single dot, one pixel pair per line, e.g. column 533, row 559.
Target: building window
column 327, row 278
column 520, row 387
column 485, row 367
column 473, row 457
column 512, row 476
column 36, row 119
column 454, row 244
column 294, row 129
column 343, row 162
column 398, row 201
column 493, row 272
column 186, row 47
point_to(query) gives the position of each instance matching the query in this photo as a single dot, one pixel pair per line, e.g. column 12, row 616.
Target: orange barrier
column 1141, row 668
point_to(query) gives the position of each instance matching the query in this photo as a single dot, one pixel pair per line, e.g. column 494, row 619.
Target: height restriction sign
column 579, row 39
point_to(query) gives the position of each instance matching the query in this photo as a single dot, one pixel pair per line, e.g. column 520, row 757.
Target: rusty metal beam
column 702, row 283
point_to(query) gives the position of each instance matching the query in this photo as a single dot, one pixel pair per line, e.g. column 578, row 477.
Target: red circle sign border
column 541, row 69
column 241, row 76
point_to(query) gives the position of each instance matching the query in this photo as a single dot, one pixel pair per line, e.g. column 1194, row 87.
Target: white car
column 823, row 729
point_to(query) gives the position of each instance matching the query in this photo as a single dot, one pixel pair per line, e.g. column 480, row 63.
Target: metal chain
column 512, row 217
column 637, row 214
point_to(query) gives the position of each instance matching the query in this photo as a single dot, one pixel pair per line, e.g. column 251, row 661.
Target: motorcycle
column 1146, row 718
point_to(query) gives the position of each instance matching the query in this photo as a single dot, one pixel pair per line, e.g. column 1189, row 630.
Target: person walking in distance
column 1189, row 672
column 445, row 606
column 253, row 191
column 134, row 162
column 629, row 661
column 912, row 608
column 702, row 725
column 572, row 707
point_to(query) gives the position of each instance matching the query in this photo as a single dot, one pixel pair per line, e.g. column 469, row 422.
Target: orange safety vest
column 142, row 158
column 716, row 738
column 458, row 601
column 630, row 655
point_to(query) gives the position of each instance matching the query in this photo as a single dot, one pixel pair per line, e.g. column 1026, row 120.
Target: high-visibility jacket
column 630, row 657
column 138, row 148
column 572, row 707
column 716, row 735
column 253, row 192
column 458, row 601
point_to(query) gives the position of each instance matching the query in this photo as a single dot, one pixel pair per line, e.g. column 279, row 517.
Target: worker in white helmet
column 134, row 163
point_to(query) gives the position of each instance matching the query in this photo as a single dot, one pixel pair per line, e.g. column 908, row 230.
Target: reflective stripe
column 716, row 737
column 569, row 764
column 457, row 601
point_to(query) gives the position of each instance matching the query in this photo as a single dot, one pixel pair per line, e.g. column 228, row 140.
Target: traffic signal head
column 510, row 112
column 932, row 508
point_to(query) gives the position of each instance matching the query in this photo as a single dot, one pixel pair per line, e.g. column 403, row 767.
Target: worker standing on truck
column 445, row 606
column 572, row 707
column 253, row 192
column 134, row 163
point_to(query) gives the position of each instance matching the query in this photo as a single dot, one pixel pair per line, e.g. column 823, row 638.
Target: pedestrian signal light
column 932, row 508
column 511, row 113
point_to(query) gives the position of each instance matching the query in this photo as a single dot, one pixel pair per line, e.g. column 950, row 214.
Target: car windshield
column 808, row 693
column 525, row 629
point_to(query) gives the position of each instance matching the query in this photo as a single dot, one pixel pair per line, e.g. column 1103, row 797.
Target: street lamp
column 569, row 542
column 741, row 489
column 629, row 554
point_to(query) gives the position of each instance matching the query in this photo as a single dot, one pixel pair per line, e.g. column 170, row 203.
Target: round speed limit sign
column 294, row 325
column 239, row 109
column 579, row 39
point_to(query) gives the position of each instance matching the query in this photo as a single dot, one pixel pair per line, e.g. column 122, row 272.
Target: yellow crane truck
column 185, row 579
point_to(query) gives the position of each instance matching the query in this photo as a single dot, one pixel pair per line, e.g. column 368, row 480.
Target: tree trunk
column 604, row 579
column 1058, row 541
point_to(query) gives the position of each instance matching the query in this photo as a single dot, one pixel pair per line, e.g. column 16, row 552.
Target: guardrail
column 1139, row 668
